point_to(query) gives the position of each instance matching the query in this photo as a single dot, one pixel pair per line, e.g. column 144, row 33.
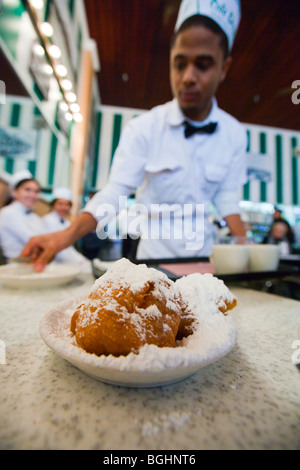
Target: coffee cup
column 230, row 259
column 263, row 257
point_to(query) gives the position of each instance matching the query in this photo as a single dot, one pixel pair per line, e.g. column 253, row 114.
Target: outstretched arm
column 42, row 249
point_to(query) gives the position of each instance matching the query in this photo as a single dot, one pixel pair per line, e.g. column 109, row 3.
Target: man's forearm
column 235, row 225
column 83, row 225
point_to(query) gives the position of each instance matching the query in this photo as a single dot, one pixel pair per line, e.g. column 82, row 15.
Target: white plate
column 153, row 366
column 19, row 275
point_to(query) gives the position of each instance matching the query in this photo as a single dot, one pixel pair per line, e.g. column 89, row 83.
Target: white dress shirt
column 54, row 222
column 154, row 156
column 17, row 226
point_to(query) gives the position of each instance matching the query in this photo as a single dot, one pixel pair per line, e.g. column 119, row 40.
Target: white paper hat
column 226, row 13
column 62, row 193
column 20, row 176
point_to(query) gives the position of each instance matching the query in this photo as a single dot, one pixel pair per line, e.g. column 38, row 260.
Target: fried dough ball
column 202, row 295
column 128, row 307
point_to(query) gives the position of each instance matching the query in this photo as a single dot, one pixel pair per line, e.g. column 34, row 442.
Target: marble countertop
column 247, row 400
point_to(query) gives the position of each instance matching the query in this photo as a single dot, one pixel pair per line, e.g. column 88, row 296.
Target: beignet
column 128, row 307
column 202, row 295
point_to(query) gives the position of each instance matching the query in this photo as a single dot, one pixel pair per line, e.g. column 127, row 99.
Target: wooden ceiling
column 13, row 84
column 133, row 42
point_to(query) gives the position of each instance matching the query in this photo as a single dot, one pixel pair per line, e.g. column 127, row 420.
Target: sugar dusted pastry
column 128, row 307
column 202, row 295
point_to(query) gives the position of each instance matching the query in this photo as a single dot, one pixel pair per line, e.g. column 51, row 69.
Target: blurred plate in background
column 18, row 275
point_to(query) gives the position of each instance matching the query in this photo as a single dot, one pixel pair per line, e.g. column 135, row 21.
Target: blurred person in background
column 278, row 217
column 18, row 221
column 280, row 235
column 57, row 220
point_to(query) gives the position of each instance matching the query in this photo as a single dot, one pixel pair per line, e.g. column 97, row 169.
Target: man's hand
column 42, row 249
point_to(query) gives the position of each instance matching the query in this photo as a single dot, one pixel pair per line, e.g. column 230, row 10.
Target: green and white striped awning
column 51, row 163
column 280, row 146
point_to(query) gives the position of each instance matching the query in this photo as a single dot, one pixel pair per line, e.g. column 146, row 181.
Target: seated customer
column 279, row 234
column 58, row 220
column 278, row 217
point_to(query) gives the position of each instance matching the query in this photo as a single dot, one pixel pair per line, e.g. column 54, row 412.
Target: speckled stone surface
column 250, row 399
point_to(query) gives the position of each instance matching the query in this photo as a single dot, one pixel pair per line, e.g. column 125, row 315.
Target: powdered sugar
column 204, row 294
column 124, row 275
column 135, row 276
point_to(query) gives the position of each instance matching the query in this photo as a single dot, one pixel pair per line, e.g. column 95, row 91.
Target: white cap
column 62, row 193
column 20, row 176
column 226, row 13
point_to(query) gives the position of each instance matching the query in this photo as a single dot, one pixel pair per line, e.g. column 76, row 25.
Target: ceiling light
column 71, row 97
column 47, row 69
column 66, row 84
column 38, row 50
column 78, row 117
column 47, row 29
column 54, row 51
column 61, row 70
column 68, row 116
column 37, row 4
column 63, row 106
column 75, row 108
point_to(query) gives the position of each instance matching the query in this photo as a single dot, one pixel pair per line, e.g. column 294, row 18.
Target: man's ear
column 226, row 66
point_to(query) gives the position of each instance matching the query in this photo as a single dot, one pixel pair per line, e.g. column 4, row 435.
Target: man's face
column 197, row 67
column 62, row 207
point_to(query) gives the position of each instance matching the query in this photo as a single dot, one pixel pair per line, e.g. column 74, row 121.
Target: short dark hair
column 20, row 183
column 56, row 199
column 201, row 20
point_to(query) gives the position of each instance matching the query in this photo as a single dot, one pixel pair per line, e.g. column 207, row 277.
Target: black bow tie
column 28, row 211
column 61, row 221
column 191, row 130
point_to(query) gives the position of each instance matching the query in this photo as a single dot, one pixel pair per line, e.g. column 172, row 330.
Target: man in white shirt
column 172, row 170
column 173, row 165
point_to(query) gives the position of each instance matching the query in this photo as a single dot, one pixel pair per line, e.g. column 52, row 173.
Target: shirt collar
column 58, row 217
column 21, row 207
column 176, row 116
